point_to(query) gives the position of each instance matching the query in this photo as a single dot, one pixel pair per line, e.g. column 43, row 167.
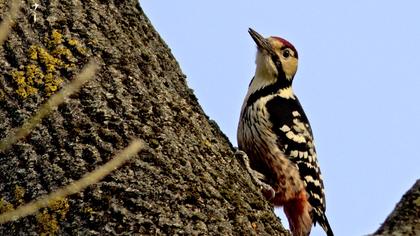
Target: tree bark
column 186, row 182
column 405, row 218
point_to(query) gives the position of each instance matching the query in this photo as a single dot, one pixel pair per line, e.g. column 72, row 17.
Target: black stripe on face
column 277, row 62
column 281, row 75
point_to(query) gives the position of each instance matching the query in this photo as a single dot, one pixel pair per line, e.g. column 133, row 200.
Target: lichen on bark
column 186, row 182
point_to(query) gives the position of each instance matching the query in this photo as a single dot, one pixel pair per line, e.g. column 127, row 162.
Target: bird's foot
column 256, row 176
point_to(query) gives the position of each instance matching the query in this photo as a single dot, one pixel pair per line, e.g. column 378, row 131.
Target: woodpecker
column 277, row 139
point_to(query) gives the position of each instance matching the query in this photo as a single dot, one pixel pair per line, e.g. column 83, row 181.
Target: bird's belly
column 254, row 133
column 256, row 139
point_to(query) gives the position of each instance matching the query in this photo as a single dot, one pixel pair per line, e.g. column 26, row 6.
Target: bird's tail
column 323, row 222
column 298, row 211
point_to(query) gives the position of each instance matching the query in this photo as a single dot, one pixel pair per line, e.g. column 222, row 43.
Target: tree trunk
column 187, row 180
column 405, row 218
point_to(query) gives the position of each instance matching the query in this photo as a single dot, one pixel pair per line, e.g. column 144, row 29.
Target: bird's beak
column 261, row 42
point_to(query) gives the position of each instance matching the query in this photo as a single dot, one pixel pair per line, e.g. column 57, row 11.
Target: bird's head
column 276, row 58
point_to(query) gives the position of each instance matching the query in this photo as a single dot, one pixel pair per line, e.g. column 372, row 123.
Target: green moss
column 43, row 72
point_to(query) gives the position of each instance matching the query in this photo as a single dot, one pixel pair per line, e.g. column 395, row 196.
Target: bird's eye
column 286, row 53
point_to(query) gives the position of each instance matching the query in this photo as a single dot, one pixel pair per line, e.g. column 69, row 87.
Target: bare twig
column 75, row 187
column 52, row 103
column 8, row 21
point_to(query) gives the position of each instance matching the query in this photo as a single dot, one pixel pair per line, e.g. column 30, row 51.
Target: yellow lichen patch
column 34, row 75
column 64, row 52
column 207, row 143
column 60, row 207
column 19, row 77
column 48, row 218
column 43, row 73
column 25, row 87
column 88, row 210
column 55, row 39
column 33, row 53
column 51, row 84
column 19, row 194
column 50, row 62
column 72, row 42
column 417, row 201
column 1, row 94
column 76, row 45
column 5, row 206
column 47, row 223
column 32, row 79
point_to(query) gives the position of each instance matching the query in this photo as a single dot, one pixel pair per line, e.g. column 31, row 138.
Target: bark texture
column 405, row 218
column 186, row 182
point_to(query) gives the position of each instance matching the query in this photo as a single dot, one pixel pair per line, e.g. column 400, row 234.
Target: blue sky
column 358, row 81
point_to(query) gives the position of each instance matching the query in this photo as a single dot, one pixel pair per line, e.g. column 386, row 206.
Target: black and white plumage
column 276, row 135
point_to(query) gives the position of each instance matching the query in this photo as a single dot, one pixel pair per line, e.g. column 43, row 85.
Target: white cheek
column 265, row 66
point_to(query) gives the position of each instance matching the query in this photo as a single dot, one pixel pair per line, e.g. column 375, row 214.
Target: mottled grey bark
column 186, row 182
column 405, row 218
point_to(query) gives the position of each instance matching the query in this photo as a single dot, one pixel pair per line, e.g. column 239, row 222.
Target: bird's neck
column 263, row 85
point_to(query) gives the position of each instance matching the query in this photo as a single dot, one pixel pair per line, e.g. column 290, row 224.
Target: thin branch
column 52, row 103
column 9, row 20
column 75, row 187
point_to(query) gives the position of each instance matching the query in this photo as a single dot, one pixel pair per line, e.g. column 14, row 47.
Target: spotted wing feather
column 295, row 139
